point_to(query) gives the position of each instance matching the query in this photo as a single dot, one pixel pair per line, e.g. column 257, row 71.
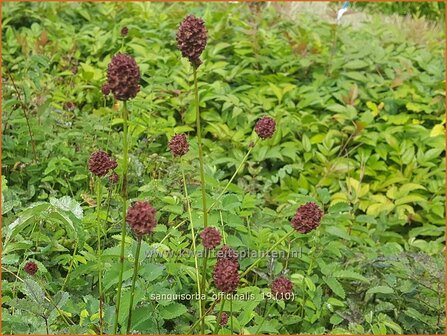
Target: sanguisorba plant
column 142, row 221
column 122, row 81
column 191, row 40
column 100, row 165
column 123, row 76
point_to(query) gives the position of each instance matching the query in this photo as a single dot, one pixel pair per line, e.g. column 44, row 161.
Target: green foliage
column 433, row 10
column 360, row 130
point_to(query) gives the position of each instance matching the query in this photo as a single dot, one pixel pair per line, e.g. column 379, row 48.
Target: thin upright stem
column 202, row 182
column 193, row 239
column 231, row 313
column 70, row 267
column 210, row 309
column 98, row 233
column 219, row 316
column 203, row 288
column 123, row 226
column 46, row 325
column 264, row 317
column 25, row 109
column 134, row 279
column 199, row 141
column 232, row 177
column 309, row 270
column 268, row 251
column 312, row 256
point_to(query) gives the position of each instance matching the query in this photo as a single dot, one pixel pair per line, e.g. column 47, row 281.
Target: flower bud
column 30, row 267
column 141, row 218
column 265, row 127
column 307, row 217
column 100, row 163
column 123, row 76
column 226, row 276
column 210, row 238
column 192, row 39
column 179, row 145
column 281, row 288
column 223, row 319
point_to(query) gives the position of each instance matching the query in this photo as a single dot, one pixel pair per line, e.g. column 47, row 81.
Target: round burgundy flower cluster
column 100, row 163
column 281, row 288
column 210, row 238
column 30, row 267
column 265, row 127
column 105, row 89
column 69, row 106
column 179, row 145
column 192, row 38
column 114, row 178
column 141, row 218
column 225, row 275
column 307, row 217
column 123, row 76
column 223, row 319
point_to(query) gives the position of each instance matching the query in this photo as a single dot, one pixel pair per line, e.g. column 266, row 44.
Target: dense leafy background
column 432, row 10
column 360, row 114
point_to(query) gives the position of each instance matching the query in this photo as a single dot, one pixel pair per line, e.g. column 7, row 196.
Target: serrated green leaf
column 34, row 291
column 172, row 311
column 335, row 286
column 349, row 275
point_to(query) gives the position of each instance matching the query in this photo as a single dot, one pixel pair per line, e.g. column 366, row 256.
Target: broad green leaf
column 335, row 286
column 379, row 289
column 34, row 291
column 172, row 311
column 349, row 275
column 27, row 217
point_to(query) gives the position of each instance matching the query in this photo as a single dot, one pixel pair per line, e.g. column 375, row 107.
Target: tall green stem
column 232, row 177
column 199, row 141
column 202, row 182
column 219, row 316
column 231, row 313
column 193, row 238
column 98, row 233
column 269, row 250
column 264, row 317
column 123, row 226
column 71, row 266
column 309, row 269
column 203, row 289
column 134, row 279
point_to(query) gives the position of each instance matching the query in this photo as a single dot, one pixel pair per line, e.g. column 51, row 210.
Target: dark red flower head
column 100, row 163
column 281, row 288
column 179, row 145
column 227, row 252
column 114, row 178
column 30, row 267
column 69, row 106
column 124, row 31
column 223, row 319
column 210, row 237
column 192, row 38
column 105, row 89
column 307, row 217
column 141, row 218
column 123, row 76
column 226, row 276
column 265, row 127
